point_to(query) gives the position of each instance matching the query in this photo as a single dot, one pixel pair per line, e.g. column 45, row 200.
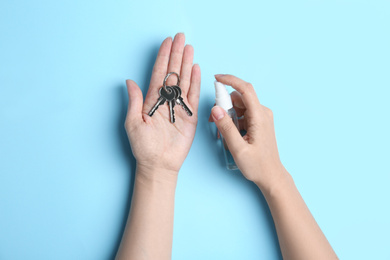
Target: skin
column 149, row 229
column 257, row 156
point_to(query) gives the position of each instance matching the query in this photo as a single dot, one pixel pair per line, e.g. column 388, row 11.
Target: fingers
column 246, row 90
column 176, row 57
column 237, row 100
column 161, row 65
column 134, row 111
column 158, row 74
column 238, row 104
column 186, row 68
column 194, row 91
column 242, row 124
column 228, row 130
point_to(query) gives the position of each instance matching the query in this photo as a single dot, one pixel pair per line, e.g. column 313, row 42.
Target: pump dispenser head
column 222, row 97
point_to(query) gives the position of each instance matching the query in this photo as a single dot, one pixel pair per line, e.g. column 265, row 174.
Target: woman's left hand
column 157, row 144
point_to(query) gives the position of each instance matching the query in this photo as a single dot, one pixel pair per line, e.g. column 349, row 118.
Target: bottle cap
column 222, row 96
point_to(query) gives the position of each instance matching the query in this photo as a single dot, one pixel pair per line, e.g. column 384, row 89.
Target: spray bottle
column 223, row 99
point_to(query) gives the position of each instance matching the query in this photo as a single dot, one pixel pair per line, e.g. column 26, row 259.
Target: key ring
column 166, row 78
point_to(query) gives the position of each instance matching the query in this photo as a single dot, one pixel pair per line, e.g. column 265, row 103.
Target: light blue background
column 66, row 168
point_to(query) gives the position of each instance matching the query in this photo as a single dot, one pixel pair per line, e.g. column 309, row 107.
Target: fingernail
column 217, row 113
column 218, row 75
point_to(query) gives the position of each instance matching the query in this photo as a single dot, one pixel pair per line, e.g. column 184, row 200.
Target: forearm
column 149, row 228
column 299, row 235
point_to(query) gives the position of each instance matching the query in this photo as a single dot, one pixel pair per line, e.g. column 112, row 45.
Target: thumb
column 134, row 111
column 228, row 129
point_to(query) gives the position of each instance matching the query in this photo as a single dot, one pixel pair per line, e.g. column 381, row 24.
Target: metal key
column 171, row 104
column 179, row 100
column 164, row 97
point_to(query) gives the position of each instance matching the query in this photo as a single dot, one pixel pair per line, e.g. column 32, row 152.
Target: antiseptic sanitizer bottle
column 223, row 99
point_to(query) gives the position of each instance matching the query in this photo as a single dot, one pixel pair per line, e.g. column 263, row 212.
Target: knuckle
column 194, row 96
column 240, row 153
column 158, row 70
column 249, row 86
column 270, row 112
column 226, row 127
column 248, row 89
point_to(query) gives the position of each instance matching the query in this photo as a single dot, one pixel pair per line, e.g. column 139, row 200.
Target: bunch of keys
column 172, row 95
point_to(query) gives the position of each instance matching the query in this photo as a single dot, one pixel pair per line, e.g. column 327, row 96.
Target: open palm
column 155, row 141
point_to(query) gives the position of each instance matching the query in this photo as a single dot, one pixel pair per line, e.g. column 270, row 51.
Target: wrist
column 279, row 179
column 152, row 174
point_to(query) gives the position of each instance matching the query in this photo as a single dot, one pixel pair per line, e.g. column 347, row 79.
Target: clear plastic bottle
column 223, row 99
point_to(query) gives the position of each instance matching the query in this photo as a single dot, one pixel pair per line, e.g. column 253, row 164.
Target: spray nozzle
column 222, row 96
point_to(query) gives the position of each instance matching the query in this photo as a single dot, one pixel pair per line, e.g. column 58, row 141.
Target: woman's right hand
column 256, row 153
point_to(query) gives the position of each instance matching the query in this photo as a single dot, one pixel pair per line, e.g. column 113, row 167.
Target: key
column 164, row 96
column 161, row 100
column 171, row 103
column 169, row 95
column 179, row 100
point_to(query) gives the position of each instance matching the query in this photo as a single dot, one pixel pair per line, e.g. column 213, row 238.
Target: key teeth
column 187, row 110
column 160, row 100
column 184, row 106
